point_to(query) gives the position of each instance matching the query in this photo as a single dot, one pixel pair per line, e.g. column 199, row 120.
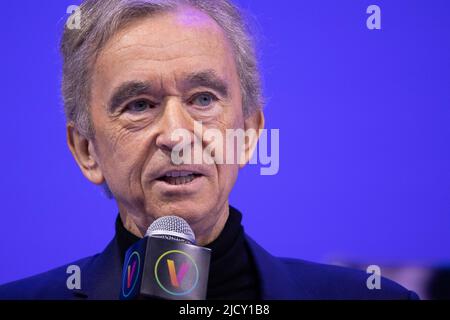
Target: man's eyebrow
column 208, row 79
column 127, row 91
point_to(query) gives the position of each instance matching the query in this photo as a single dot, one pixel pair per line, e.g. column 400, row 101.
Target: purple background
column 364, row 121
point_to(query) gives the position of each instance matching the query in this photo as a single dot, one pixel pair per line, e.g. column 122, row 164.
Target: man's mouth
column 179, row 177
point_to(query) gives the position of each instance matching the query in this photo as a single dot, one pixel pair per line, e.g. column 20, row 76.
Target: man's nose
column 174, row 117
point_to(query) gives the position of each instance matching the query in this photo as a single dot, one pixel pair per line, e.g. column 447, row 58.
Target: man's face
column 158, row 75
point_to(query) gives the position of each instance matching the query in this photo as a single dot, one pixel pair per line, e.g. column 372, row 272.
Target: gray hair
column 101, row 19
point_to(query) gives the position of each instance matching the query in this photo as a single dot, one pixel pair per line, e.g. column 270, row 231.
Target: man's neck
column 206, row 230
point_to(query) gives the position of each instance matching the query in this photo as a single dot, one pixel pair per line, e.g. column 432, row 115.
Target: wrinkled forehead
column 173, row 42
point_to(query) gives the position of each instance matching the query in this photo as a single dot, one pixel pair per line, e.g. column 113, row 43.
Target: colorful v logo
column 177, row 279
column 130, row 273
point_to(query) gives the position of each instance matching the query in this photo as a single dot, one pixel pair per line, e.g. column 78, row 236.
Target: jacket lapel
column 101, row 276
column 275, row 278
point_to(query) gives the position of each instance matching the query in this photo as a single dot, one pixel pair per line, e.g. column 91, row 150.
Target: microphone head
column 171, row 228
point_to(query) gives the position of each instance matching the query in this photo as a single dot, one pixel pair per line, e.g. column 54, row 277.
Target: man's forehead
column 185, row 28
column 165, row 46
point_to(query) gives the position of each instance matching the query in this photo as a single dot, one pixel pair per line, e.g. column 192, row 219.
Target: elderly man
column 134, row 73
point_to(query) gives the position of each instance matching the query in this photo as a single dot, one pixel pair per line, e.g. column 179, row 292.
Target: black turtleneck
column 233, row 274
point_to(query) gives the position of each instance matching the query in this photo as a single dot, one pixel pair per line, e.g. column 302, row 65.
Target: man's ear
column 83, row 150
column 253, row 125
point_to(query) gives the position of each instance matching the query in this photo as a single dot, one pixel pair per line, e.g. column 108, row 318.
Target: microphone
column 166, row 264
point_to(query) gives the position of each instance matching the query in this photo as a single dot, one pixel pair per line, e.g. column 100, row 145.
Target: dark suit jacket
column 281, row 279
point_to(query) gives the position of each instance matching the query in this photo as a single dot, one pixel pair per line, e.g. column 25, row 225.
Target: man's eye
column 204, row 99
column 139, row 106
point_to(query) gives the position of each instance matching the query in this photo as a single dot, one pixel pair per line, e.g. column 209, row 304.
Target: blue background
column 364, row 123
